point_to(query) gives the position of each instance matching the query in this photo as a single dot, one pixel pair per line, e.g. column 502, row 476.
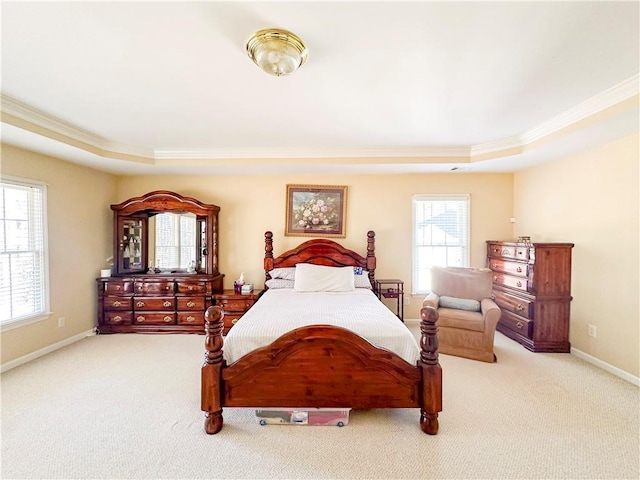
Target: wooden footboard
column 321, row 366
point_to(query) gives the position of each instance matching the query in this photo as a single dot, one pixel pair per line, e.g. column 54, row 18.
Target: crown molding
column 48, row 123
column 41, row 123
column 380, row 152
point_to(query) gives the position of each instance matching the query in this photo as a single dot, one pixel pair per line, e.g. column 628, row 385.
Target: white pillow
column 287, row 273
column 318, row 278
column 361, row 280
column 279, row 283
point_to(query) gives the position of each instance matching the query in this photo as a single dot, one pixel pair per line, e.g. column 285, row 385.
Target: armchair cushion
column 460, row 303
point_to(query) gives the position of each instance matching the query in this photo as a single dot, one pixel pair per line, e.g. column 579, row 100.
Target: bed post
column 268, row 254
column 431, row 371
column 371, row 256
column 212, row 370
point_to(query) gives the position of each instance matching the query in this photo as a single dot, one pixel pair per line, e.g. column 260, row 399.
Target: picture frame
column 316, row 211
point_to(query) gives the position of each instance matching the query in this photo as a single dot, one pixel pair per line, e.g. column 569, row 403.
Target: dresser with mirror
column 165, row 265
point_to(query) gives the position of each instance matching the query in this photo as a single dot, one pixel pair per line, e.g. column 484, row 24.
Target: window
column 175, row 240
column 440, row 236
column 24, row 285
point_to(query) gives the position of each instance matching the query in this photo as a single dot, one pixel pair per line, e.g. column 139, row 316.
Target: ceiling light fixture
column 277, row 52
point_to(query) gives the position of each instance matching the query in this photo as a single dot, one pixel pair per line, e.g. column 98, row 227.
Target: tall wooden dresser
column 532, row 287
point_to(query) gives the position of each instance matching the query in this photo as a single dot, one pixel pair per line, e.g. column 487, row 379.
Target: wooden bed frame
column 320, row 365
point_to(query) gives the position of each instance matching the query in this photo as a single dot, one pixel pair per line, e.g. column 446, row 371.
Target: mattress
column 279, row 311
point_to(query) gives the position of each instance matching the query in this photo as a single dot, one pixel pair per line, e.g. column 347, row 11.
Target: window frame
column 45, row 311
column 422, row 197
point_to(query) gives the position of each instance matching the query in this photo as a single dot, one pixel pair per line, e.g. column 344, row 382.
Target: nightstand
column 234, row 305
column 396, row 292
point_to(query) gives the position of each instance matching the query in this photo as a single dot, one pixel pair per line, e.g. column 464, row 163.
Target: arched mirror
column 164, row 232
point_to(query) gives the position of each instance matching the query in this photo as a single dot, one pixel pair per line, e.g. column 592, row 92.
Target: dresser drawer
column 117, row 318
column 512, row 268
column 191, row 303
column 191, row 318
column 154, row 318
column 517, row 305
column 154, row 303
column 191, row 287
column 117, row 303
column 118, row 287
column 154, row 288
column 516, row 323
column 509, row 251
column 237, row 305
column 518, row 283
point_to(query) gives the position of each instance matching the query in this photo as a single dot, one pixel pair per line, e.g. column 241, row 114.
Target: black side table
column 396, row 291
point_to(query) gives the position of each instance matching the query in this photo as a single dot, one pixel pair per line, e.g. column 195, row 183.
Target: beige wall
column 591, row 200
column 79, row 221
column 251, row 205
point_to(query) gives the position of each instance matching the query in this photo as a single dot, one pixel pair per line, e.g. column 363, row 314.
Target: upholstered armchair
column 467, row 314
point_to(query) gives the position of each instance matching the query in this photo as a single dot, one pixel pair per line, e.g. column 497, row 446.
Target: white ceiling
column 166, row 87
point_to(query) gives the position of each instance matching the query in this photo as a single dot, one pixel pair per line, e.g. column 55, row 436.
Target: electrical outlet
column 592, row 331
column 61, row 322
column 407, row 302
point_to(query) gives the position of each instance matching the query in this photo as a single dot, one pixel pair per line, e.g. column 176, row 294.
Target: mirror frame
column 162, row 201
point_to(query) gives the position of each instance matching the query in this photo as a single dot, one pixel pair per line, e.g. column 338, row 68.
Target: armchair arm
column 431, row 300
column 490, row 313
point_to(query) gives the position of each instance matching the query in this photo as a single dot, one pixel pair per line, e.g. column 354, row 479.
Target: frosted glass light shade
column 277, row 52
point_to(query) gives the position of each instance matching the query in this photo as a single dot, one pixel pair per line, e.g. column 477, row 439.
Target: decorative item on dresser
column 532, row 287
column 171, row 299
column 234, row 305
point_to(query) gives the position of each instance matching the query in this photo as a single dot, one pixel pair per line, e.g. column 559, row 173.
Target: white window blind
column 175, row 240
column 24, row 292
column 440, row 236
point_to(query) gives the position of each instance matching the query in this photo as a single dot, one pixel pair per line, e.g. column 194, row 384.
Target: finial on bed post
column 212, row 369
column 431, row 371
column 371, row 255
column 268, row 254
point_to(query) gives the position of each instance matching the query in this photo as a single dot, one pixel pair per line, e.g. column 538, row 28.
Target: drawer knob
column 518, row 284
column 140, row 287
column 190, row 287
column 168, row 319
column 495, row 278
column 166, row 287
column 191, row 319
column 117, row 287
column 117, row 319
column 520, row 307
column 167, row 303
column 519, row 325
column 235, row 320
column 140, row 304
column 140, row 319
column 191, row 304
column 116, row 303
column 519, row 269
column 495, row 265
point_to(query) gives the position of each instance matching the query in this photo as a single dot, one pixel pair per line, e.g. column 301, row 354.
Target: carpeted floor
column 127, row 406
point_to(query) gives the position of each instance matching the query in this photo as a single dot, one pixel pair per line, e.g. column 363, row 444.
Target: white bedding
column 279, row 311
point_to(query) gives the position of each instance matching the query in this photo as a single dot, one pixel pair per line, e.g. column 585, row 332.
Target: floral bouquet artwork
column 315, row 210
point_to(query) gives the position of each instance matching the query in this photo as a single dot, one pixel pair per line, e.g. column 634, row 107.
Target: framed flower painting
column 316, row 211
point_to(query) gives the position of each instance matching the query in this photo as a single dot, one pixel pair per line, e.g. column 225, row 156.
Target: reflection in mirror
column 172, row 241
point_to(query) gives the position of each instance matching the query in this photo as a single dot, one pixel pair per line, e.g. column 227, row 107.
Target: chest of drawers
column 149, row 303
column 532, row 287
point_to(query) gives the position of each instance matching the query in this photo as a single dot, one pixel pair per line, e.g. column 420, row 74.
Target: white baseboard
column 605, row 366
column 43, row 351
